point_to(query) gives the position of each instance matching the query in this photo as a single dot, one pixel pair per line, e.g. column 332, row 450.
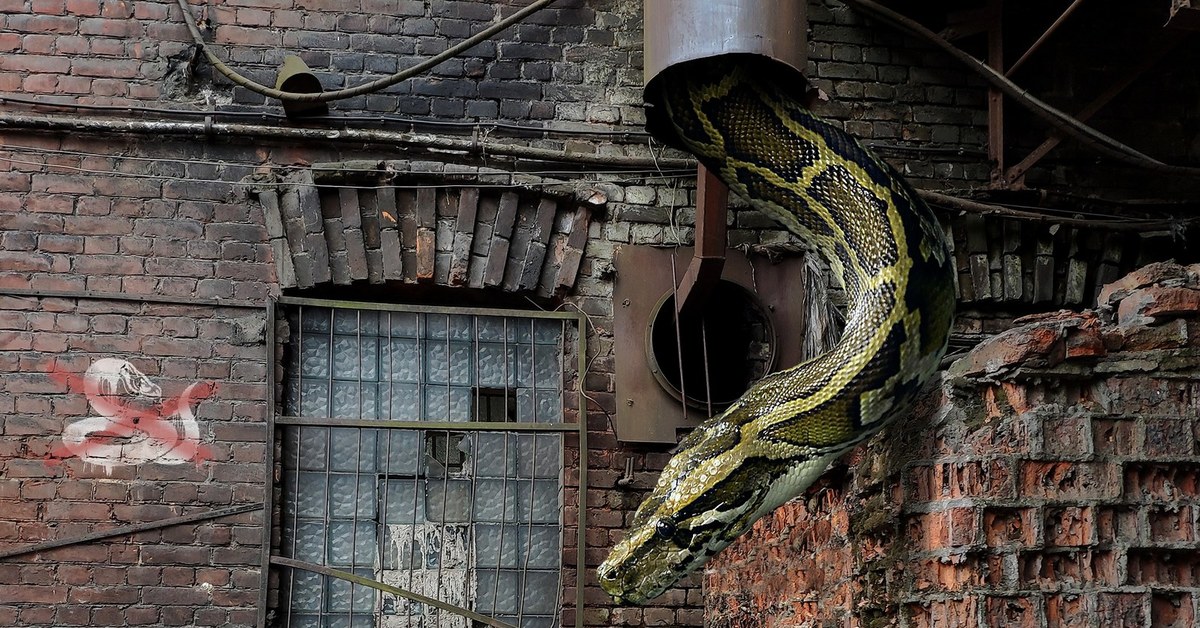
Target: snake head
column 657, row 552
column 704, row 499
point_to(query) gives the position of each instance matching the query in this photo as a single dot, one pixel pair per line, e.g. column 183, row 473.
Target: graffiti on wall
column 133, row 424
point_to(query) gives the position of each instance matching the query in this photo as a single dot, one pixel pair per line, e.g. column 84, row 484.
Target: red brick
column 141, row 615
column 89, row 553
column 1121, row 609
column 1069, row 480
column 238, row 35
column 1170, row 335
column 1150, row 274
column 176, row 555
column 216, row 577
column 40, row 84
column 42, row 23
column 1161, row 481
column 1114, row 437
column 72, row 615
column 1009, row 526
column 927, row 531
column 1014, row 611
column 958, row 613
column 103, row 595
column 1066, row 610
column 1148, row 396
column 27, row 593
column 1174, row 524
column 178, row 576
column 964, row 528
column 947, row 574
column 178, row 615
column 37, row 616
column 1168, row 437
column 1156, row 304
column 1071, row 526
column 1172, row 610
column 990, row 478
column 107, row 616
column 96, row 225
column 35, row 64
column 120, row 27
column 1067, row 437
column 83, row 7
column 74, row 511
column 1083, row 567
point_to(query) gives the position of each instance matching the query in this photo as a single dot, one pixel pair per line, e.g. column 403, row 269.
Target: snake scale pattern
column 740, row 118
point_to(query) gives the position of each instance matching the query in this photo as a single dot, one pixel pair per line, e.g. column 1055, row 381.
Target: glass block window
column 412, row 366
column 431, row 500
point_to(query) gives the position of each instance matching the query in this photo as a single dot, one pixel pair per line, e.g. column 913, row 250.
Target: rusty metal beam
column 1046, row 35
column 130, row 529
column 995, row 36
column 703, row 272
column 1014, row 175
column 387, row 588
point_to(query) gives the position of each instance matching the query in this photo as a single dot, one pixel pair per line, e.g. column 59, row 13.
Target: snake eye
column 664, row 529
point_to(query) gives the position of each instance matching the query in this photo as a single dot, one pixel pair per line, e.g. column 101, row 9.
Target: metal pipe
column 677, row 31
column 1046, row 35
column 685, row 30
column 386, row 588
column 130, row 529
column 136, row 298
column 355, row 136
column 264, row 581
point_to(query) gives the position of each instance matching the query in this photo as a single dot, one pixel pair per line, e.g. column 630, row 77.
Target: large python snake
column 741, row 118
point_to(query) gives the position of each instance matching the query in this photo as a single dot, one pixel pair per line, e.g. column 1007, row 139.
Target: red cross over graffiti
column 135, row 425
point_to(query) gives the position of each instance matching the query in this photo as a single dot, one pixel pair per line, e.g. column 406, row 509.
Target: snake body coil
column 885, row 247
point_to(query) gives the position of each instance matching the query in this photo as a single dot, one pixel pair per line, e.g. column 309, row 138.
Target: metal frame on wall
column 275, row 421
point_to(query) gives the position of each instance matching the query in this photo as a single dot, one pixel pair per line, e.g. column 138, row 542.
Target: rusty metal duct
column 684, row 30
column 679, row 31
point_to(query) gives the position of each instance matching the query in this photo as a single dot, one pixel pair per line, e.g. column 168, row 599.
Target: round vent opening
column 727, row 344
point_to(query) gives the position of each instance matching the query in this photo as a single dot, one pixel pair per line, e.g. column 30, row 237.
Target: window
column 423, row 449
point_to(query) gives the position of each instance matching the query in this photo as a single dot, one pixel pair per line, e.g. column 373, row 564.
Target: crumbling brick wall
column 1051, row 482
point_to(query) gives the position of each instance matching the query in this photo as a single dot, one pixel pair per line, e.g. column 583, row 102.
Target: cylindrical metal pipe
column 677, row 31
column 683, row 30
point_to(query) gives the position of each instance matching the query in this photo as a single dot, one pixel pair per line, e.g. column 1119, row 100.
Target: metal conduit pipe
column 685, row 30
column 360, row 136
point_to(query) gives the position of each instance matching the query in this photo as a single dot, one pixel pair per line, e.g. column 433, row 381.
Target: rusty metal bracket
column 704, row 270
column 130, row 529
column 387, row 588
column 1045, row 35
column 1014, row 175
column 646, row 412
column 995, row 98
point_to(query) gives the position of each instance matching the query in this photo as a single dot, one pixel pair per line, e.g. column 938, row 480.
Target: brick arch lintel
column 381, row 222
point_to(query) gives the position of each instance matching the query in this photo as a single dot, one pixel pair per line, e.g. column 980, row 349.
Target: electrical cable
column 519, row 129
column 366, row 88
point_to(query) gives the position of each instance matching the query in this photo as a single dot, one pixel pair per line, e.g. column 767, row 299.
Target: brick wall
column 1051, row 482
column 171, row 219
column 128, row 233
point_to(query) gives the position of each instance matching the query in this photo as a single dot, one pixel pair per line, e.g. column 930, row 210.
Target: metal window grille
column 423, row 449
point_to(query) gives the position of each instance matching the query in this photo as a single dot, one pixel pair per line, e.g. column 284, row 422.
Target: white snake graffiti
column 134, row 425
